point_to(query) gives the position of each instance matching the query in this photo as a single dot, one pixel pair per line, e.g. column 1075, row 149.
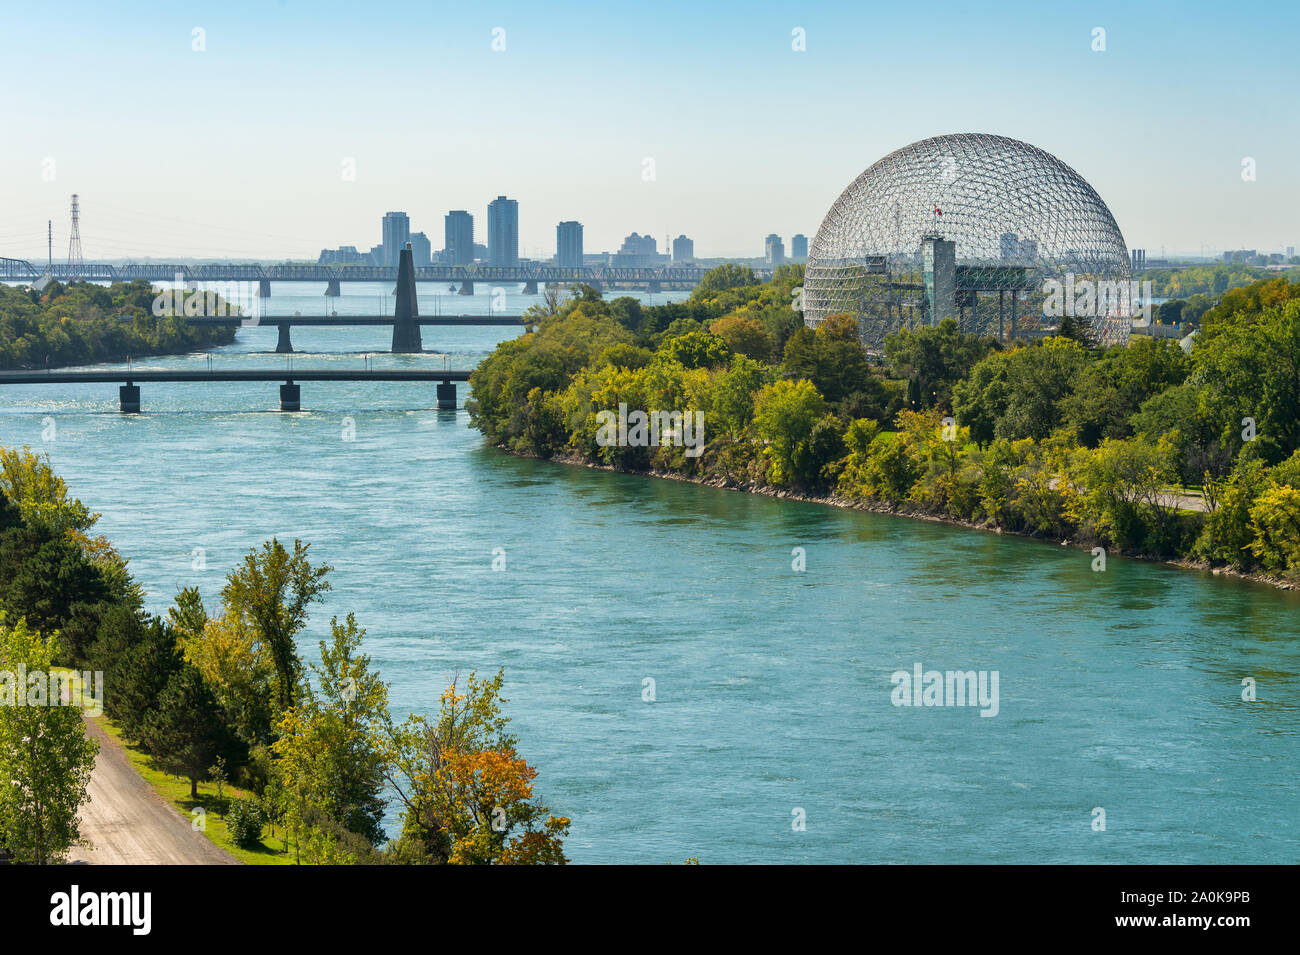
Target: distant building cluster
column 1255, row 257
column 638, row 252
column 502, row 248
column 774, row 249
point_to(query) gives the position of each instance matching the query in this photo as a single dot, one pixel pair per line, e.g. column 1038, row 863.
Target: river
column 1120, row 690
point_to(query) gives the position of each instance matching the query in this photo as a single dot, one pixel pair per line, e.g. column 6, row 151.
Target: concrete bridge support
column 285, row 344
column 530, row 287
column 656, row 285
column 332, row 288
column 290, row 397
column 406, row 331
column 129, row 396
column 263, row 288
column 466, row 288
column 447, row 396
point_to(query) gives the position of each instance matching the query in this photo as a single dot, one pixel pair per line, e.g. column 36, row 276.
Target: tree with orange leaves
column 467, row 793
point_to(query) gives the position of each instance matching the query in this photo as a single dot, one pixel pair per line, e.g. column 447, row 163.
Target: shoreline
column 879, row 507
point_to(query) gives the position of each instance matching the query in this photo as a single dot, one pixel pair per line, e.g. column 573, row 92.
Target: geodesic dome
column 974, row 227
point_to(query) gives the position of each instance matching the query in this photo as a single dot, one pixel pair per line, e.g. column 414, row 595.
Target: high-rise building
column 421, row 250
column 396, row 233
column 637, row 252
column 683, row 249
column 799, row 246
column 1010, row 246
column 1138, row 259
column 343, row 255
column 503, row 232
column 568, row 245
column 459, row 238
column 1290, row 251
column 774, row 249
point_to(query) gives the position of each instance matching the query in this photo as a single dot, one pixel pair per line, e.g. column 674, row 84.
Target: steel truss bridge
column 20, row 270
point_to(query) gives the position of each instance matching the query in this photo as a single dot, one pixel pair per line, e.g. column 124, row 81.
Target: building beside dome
column 989, row 231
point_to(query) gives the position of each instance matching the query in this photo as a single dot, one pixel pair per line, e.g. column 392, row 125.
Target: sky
column 228, row 130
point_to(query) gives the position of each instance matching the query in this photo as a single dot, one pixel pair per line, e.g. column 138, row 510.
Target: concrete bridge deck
column 290, row 390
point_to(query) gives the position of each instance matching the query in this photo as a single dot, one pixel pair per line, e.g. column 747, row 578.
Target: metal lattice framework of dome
column 974, row 227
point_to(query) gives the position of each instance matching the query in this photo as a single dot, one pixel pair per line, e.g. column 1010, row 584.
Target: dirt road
column 127, row 823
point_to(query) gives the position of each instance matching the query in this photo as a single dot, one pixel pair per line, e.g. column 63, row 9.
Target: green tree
column 332, row 750
column 45, row 757
column 1275, row 523
column 185, row 729
column 697, row 350
column 723, row 277
column 933, row 359
column 1249, row 362
column 270, row 592
column 785, row 414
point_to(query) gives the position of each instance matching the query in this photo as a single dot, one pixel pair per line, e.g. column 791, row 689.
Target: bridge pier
column 466, row 288
column 656, row 285
column 447, row 396
column 290, row 396
column 285, row 344
column 406, row 331
column 530, row 287
column 263, row 288
column 332, row 287
column 129, row 396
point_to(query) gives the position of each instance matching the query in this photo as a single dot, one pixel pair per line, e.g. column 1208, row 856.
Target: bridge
column 406, row 339
column 285, row 322
column 655, row 278
column 290, row 392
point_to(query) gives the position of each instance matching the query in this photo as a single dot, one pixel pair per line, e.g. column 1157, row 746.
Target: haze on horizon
column 239, row 150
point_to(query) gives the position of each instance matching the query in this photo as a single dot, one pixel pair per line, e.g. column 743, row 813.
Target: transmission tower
column 75, row 264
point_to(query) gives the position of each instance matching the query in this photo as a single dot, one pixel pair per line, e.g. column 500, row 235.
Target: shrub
column 244, row 822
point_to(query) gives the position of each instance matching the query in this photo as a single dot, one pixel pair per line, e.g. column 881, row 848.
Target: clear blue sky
column 238, row 150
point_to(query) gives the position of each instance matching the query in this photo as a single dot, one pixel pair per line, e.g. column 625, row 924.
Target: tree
column 139, row 658
column 1126, row 491
column 44, row 577
column 270, row 592
column 1275, row 523
column 784, row 416
column 697, row 350
column 185, row 730
column 744, row 335
column 1249, row 360
column 238, row 668
column 832, row 358
column 933, row 359
column 331, row 750
column 45, row 756
column 468, row 795
column 724, row 277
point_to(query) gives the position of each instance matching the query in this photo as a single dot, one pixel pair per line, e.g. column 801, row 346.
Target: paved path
column 127, row 823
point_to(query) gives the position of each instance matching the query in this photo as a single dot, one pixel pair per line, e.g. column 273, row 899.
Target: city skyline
column 261, row 182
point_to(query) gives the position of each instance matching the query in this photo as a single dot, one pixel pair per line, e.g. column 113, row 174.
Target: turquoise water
column 1119, row 690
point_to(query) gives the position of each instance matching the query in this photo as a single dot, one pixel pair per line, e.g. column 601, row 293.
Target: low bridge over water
column 285, row 322
column 290, row 393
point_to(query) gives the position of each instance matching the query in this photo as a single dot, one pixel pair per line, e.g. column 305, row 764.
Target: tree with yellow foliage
column 468, row 794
